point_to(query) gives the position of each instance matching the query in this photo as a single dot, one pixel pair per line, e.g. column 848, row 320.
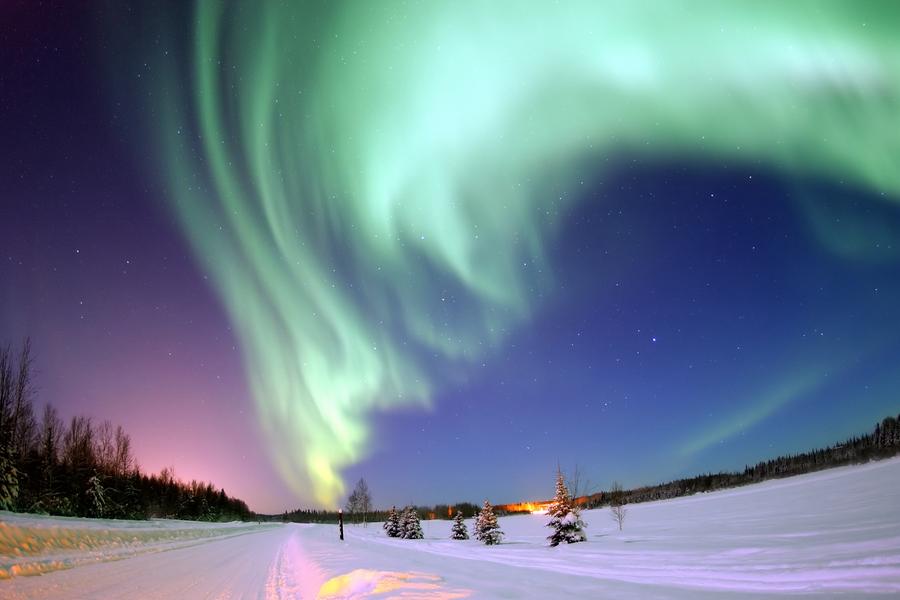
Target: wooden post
column 341, row 517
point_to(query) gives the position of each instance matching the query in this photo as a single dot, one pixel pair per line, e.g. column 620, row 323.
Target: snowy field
column 834, row 533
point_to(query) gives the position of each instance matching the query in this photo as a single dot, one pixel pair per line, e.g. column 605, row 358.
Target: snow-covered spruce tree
column 412, row 528
column 565, row 517
column 459, row 532
column 488, row 528
column 392, row 525
column 476, row 525
column 404, row 519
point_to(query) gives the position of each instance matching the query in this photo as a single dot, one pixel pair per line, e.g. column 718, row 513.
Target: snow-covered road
column 831, row 533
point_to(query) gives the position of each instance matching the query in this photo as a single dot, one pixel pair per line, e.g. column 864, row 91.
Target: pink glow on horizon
column 184, row 404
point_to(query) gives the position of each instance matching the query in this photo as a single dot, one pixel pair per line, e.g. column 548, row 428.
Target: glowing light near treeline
column 371, row 185
column 535, row 508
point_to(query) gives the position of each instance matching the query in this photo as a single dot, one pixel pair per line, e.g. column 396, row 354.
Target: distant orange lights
column 541, row 507
column 532, row 507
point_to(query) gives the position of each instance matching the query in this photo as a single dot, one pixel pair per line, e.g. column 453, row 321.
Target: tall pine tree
column 565, row 517
column 459, row 532
column 488, row 528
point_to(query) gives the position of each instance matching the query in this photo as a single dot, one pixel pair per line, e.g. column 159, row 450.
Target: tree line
column 437, row 511
column 85, row 469
column 882, row 442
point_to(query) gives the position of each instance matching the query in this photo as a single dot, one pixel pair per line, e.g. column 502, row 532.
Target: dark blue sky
column 695, row 306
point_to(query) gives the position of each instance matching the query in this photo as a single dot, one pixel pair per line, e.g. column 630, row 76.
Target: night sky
column 447, row 247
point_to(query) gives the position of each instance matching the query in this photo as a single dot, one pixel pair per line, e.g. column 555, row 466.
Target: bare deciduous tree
column 617, row 504
column 365, row 500
column 352, row 504
column 50, row 440
column 17, row 423
column 104, row 446
column 78, row 444
column 124, row 461
column 578, row 484
column 50, row 435
column 167, row 475
column 359, row 503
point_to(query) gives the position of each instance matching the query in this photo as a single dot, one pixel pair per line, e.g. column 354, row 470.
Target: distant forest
column 882, row 442
column 84, row 469
column 440, row 511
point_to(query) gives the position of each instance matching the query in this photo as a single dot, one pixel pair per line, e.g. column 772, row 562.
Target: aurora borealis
column 407, row 210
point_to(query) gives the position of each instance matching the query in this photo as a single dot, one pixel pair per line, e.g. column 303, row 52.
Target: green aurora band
column 365, row 181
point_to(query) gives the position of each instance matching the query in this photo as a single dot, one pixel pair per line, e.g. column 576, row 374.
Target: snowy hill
column 835, row 532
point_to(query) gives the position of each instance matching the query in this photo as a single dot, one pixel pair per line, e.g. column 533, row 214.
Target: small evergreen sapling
column 412, row 528
column 476, row 527
column 488, row 528
column 459, row 532
column 565, row 517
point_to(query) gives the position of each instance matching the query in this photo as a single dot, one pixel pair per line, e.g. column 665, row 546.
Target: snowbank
column 35, row 544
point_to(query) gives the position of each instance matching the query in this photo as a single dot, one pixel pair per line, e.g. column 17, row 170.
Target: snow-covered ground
column 836, row 532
